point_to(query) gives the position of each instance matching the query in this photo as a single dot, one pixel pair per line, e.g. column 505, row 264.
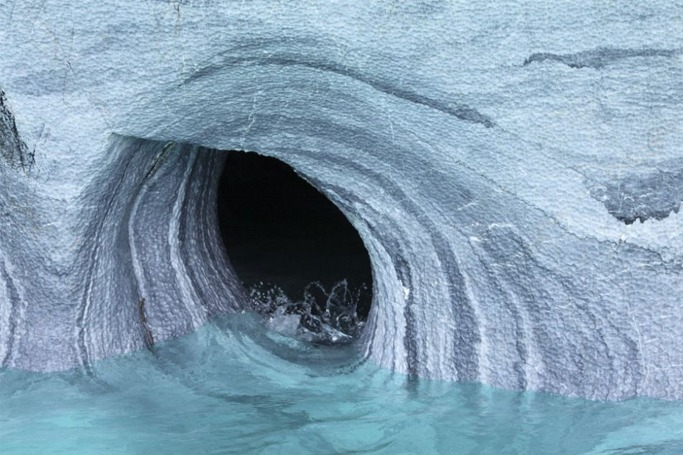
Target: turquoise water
column 235, row 387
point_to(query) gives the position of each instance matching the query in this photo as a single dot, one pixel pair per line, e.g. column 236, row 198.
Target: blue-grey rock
column 486, row 190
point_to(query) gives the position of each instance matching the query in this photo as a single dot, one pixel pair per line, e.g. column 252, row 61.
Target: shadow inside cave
column 280, row 232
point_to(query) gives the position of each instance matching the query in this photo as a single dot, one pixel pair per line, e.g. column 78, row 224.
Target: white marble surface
column 476, row 181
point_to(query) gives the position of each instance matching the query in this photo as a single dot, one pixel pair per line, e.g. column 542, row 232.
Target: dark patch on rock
column 146, row 331
column 260, row 54
column 642, row 197
column 12, row 148
column 600, row 57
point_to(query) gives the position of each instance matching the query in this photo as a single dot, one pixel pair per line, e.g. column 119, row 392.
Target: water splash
column 319, row 316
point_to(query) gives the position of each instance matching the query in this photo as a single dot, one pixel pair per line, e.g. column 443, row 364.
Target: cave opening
column 293, row 250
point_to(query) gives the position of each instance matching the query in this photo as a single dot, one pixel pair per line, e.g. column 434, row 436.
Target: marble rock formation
column 515, row 172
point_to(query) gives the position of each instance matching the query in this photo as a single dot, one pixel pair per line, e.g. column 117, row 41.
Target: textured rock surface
column 480, row 151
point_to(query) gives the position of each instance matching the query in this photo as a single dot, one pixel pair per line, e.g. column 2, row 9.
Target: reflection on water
column 236, row 387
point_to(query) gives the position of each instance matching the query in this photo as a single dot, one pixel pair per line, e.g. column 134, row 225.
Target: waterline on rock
column 235, row 386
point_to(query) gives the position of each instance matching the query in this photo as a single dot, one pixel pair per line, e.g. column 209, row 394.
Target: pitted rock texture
column 463, row 170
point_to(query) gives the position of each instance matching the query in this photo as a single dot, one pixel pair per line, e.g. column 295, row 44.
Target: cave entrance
column 281, row 233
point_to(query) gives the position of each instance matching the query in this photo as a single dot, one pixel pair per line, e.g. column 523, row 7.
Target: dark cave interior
column 278, row 229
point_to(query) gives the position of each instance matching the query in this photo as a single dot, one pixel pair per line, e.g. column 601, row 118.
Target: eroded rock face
column 14, row 150
column 474, row 179
column 650, row 195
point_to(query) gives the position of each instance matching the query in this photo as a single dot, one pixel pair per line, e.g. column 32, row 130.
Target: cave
column 280, row 232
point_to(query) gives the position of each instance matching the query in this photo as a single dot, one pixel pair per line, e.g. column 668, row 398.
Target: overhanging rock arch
column 493, row 259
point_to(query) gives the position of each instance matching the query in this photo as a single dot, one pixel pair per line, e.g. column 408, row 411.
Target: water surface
column 236, row 387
